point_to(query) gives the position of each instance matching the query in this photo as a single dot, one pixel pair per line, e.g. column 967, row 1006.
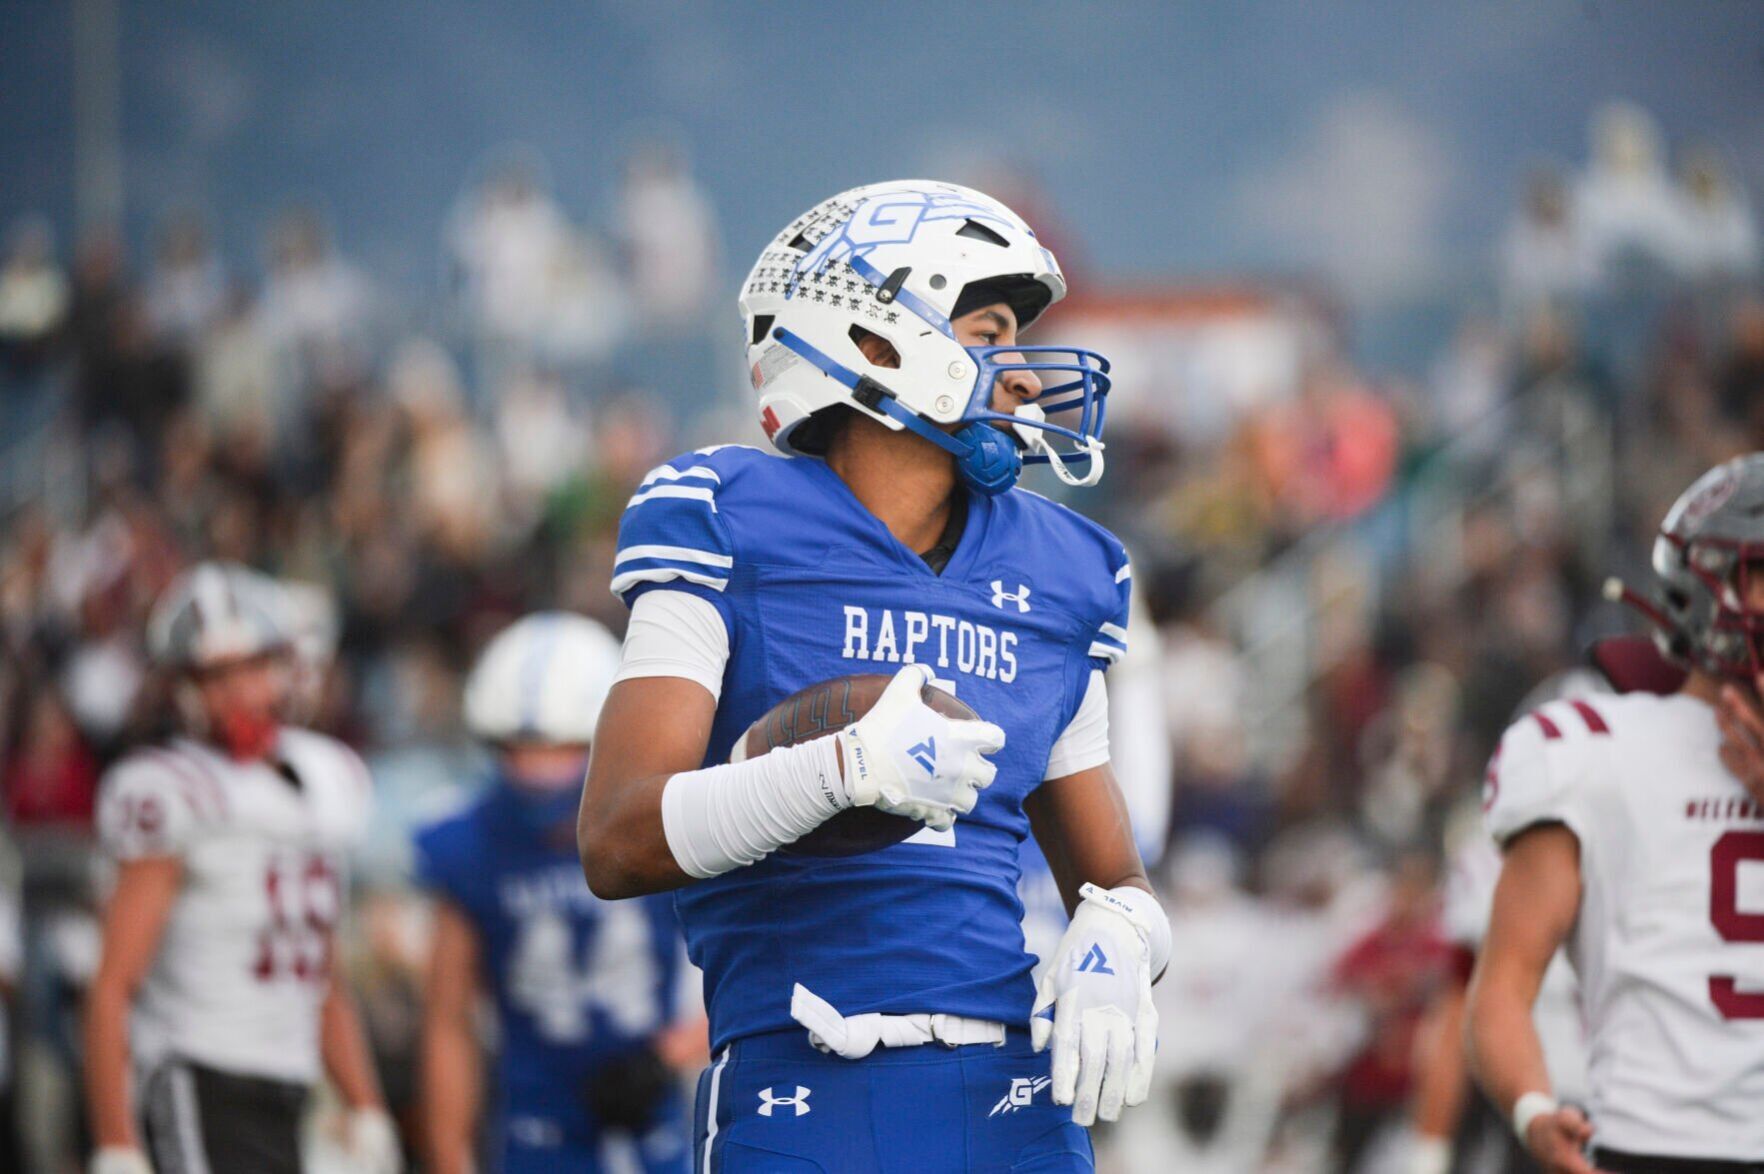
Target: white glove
column 906, row 758
column 1095, row 1003
column 373, row 1142
column 119, row 1159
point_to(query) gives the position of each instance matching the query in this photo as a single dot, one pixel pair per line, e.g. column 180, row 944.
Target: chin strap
column 986, row 458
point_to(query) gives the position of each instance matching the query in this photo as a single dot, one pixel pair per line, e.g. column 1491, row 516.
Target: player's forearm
column 1440, row 1076
column 623, row 843
column 663, row 832
column 450, row 1079
column 107, row 1065
column 344, row 1047
column 1501, row 1041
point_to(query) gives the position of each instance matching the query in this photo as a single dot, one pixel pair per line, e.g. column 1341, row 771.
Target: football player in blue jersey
column 582, row 987
column 873, row 1010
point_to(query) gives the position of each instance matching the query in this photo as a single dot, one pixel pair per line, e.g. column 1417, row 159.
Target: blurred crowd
column 1354, row 584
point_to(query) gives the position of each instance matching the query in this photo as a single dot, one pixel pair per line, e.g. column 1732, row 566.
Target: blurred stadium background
column 1422, row 314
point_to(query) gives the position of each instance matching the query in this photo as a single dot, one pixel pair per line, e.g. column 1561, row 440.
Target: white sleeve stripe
column 1116, row 631
column 683, row 554
column 669, row 473
column 704, row 495
column 623, row 583
column 1106, row 651
column 1126, row 572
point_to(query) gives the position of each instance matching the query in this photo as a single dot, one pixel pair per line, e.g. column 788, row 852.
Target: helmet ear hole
column 878, row 350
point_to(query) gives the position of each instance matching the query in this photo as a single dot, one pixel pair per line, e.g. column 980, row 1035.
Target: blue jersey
column 576, row 980
column 812, row 586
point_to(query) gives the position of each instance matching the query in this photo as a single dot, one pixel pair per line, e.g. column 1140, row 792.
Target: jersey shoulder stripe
column 193, row 777
column 1589, row 715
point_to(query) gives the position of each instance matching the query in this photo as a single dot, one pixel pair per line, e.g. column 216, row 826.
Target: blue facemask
column 540, row 810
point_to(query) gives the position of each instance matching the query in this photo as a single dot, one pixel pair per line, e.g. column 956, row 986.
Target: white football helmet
column 542, row 679
column 894, row 259
column 213, row 613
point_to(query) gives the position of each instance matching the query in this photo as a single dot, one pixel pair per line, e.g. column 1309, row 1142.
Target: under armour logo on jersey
column 925, row 754
column 1022, row 1092
column 1095, row 962
column 1020, row 596
column 799, row 1102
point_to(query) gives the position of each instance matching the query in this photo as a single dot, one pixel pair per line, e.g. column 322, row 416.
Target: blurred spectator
column 128, row 384
column 669, row 233
column 34, row 298
column 50, row 776
column 1330, row 454
column 535, row 288
column 1626, row 205
column 1545, row 255
column 316, row 312
column 1392, row 972
column 186, row 286
column 1721, row 233
column 1741, row 381
column 506, row 238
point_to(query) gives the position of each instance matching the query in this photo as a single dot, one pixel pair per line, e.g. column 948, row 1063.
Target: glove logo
column 925, row 754
column 1094, row 962
column 1022, row 1092
column 1020, row 596
column 799, row 1102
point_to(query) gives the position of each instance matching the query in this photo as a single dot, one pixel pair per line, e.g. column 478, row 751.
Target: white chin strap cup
column 1035, row 441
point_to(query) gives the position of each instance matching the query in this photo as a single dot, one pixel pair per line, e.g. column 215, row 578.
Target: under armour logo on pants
column 799, row 1102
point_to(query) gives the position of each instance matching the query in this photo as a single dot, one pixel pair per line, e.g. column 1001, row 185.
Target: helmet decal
column 894, row 259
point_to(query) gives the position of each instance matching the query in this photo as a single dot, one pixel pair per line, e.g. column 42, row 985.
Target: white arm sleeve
column 729, row 816
column 675, row 634
column 1084, row 742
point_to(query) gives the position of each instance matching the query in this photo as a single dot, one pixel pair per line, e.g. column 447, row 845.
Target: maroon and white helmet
column 212, row 614
column 1708, row 549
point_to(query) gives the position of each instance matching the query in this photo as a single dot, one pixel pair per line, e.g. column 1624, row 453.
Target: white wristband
column 1147, row 916
column 727, row 817
column 1529, row 1108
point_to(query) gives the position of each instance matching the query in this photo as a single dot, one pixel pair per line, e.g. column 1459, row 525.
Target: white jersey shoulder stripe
column 685, row 491
column 624, row 582
column 684, row 554
column 669, row 473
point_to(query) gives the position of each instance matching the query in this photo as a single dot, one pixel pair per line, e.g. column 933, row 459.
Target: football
column 824, row 709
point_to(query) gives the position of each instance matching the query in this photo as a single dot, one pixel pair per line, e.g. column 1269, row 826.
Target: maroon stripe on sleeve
column 198, row 790
column 1549, row 728
column 1591, row 717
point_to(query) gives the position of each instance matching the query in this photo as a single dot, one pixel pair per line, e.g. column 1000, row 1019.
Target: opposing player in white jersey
column 1440, row 1113
column 217, row 1003
column 1626, row 837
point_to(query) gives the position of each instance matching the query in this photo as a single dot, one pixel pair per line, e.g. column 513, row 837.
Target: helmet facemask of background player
column 216, row 631
column 1709, row 559
column 899, row 261
column 533, row 698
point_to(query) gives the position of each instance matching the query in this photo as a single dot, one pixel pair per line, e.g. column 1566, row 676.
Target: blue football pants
column 772, row 1104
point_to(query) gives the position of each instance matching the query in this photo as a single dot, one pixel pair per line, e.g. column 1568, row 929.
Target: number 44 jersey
column 245, row 960
column 577, row 981
column 1669, row 944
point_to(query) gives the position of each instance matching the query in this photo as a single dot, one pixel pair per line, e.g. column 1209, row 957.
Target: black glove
column 627, row 1092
